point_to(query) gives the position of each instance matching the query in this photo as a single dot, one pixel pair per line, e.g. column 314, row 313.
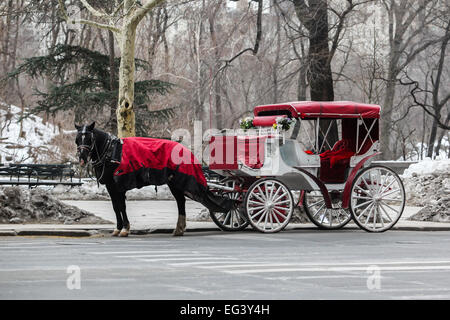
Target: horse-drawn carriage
column 265, row 166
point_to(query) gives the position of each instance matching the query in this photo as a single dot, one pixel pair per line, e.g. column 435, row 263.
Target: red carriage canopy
column 320, row 109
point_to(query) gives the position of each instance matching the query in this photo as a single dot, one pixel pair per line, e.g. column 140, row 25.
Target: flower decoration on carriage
column 246, row 123
column 283, row 123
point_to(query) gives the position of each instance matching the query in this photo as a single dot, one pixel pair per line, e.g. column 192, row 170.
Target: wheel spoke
column 276, row 218
column 395, row 210
column 256, row 202
column 390, row 183
column 265, row 221
column 271, row 191
column 259, row 196
column 375, row 217
column 363, row 203
column 365, row 198
column 390, row 192
column 276, row 193
column 256, row 208
column 262, row 216
column 364, row 210
column 387, row 215
column 323, row 216
column 271, row 220
column 281, row 202
column 330, row 217
column 280, row 196
column 320, row 209
column 282, row 214
column 363, row 190
column 380, row 215
column 220, row 216
column 261, row 211
column 227, row 217
column 266, row 190
column 368, row 189
column 368, row 216
column 315, row 203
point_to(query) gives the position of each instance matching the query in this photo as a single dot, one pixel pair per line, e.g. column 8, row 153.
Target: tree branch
column 94, row 11
column 84, row 21
column 142, row 11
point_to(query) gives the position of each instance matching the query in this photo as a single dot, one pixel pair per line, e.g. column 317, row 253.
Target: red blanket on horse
column 148, row 161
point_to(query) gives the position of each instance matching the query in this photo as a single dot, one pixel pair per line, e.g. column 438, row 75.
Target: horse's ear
column 77, row 127
column 91, row 126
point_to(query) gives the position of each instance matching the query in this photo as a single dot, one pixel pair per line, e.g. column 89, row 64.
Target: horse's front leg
column 123, row 210
column 181, row 204
column 115, row 202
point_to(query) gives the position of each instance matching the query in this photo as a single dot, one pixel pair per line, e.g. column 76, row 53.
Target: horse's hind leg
column 181, row 203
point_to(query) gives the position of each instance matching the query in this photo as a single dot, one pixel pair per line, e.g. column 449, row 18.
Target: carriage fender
column 323, row 189
column 351, row 178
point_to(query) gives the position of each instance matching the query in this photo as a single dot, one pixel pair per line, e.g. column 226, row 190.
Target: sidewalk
column 161, row 217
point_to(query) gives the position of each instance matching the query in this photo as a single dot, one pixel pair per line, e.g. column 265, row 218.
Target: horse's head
column 85, row 142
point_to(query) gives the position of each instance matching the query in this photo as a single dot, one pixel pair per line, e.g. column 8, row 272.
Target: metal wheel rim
column 377, row 199
column 269, row 205
column 322, row 216
column 232, row 219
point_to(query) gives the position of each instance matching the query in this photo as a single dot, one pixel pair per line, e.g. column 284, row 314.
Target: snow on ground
column 89, row 190
column 427, row 184
column 427, row 167
column 27, row 143
column 21, row 205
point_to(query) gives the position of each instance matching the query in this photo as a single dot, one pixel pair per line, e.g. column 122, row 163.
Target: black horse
column 104, row 151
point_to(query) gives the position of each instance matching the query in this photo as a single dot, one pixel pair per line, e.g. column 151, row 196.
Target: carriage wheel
column 377, row 199
column 323, row 217
column 269, row 205
column 233, row 220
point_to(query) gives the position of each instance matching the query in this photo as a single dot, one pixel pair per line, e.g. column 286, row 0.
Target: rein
column 101, row 158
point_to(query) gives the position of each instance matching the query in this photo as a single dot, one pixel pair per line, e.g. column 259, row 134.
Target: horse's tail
column 212, row 202
column 217, row 203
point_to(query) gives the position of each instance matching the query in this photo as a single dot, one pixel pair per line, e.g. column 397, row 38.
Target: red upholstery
column 250, row 151
column 333, row 163
column 266, row 121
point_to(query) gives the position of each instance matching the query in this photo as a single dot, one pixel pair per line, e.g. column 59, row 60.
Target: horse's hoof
column 124, row 233
column 115, row 233
column 178, row 233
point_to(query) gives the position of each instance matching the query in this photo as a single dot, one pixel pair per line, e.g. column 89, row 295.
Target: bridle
column 89, row 148
column 101, row 158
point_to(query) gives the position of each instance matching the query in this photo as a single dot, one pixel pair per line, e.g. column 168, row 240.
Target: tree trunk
column 432, row 139
column 112, row 83
column 386, row 117
column 126, row 121
column 315, row 18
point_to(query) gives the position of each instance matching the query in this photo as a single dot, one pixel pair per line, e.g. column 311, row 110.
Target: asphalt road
column 307, row 264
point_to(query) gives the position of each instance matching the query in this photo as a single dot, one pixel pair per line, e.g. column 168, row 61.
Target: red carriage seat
column 335, row 162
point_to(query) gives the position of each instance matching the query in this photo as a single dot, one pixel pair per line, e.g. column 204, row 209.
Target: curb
column 106, row 232
column 8, row 233
column 59, row 233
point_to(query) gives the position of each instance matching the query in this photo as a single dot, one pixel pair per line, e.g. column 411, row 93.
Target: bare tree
column 131, row 13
